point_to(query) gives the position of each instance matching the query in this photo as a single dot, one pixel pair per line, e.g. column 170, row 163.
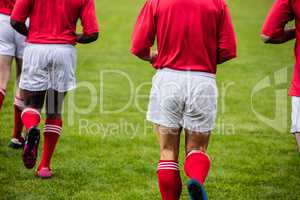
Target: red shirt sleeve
column 88, row 18
column 280, row 14
column 22, row 10
column 144, row 31
column 226, row 39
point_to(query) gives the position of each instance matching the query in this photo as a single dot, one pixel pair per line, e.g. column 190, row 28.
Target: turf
column 110, row 162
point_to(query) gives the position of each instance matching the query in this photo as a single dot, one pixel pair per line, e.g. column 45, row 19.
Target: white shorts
column 183, row 99
column 295, row 115
column 48, row 66
column 11, row 42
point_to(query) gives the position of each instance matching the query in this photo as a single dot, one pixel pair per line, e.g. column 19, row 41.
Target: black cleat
column 196, row 190
column 30, row 150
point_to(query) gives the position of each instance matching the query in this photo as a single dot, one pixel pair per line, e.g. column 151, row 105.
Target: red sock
column 52, row 132
column 197, row 165
column 2, row 96
column 169, row 180
column 30, row 117
column 18, row 124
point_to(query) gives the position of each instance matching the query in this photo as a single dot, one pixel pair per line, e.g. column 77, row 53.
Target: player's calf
column 17, row 141
column 169, row 180
column 197, row 166
column 52, row 131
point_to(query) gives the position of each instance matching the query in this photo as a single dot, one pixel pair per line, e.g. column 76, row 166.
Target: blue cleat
column 196, row 190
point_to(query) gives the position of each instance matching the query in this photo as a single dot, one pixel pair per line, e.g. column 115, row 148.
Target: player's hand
column 84, row 39
column 153, row 56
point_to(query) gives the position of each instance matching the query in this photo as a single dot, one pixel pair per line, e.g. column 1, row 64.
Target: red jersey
column 54, row 21
column 6, row 6
column 281, row 13
column 191, row 35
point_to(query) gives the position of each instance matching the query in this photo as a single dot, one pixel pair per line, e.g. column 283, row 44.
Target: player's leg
column 165, row 110
column 168, row 173
column 62, row 79
column 34, row 83
column 17, row 140
column 197, row 163
column 31, row 118
column 52, row 131
column 7, row 52
column 198, row 122
column 5, row 70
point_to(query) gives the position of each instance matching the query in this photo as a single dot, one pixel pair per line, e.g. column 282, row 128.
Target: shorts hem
column 163, row 123
column 45, row 89
column 198, row 130
column 293, row 132
column 7, row 54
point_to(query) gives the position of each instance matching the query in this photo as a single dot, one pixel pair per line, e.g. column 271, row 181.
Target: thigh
column 5, row 70
column 34, row 99
column 166, row 102
column 201, row 105
column 169, row 140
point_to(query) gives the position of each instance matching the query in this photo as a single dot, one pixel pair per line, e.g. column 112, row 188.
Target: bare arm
column 85, row 39
column 19, row 27
column 288, row 34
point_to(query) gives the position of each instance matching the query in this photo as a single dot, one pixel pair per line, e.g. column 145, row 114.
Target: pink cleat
column 44, row 173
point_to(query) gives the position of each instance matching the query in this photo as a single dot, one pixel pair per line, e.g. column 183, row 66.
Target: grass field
column 99, row 158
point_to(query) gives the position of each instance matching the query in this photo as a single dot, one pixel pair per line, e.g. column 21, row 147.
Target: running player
column 275, row 32
column 192, row 38
column 49, row 67
column 12, row 45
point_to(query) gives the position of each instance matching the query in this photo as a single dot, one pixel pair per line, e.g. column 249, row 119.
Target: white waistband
column 194, row 73
column 50, row 45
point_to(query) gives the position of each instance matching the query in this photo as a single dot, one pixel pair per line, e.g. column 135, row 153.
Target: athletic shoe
column 196, row 190
column 30, row 150
column 16, row 143
column 44, row 173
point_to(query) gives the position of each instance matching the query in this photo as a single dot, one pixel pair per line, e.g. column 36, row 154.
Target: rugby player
column 275, row 32
column 49, row 64
column 193, row 37
column 12, row 45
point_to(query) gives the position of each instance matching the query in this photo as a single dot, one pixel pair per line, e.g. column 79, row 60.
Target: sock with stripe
column 30, row 117
column 18, row 124
column 52, row 132
column 197, row 165
column 2, row 96
column 169, row 180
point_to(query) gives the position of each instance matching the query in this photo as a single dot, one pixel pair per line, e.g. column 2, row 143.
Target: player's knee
column 193, row 147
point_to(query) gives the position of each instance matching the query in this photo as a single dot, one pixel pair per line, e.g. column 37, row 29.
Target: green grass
column 253, row 162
